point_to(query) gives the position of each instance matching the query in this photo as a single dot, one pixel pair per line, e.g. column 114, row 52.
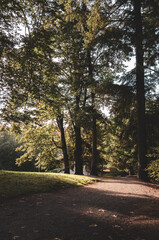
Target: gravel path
column 113, row 209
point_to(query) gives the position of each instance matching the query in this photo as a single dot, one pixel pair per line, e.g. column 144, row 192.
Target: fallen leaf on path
column 101, row 210
column 116, row 226
column 93, row 225
column 15, row 237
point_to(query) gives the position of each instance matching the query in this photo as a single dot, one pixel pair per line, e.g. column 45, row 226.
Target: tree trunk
column 78, row 141
column 78, row 151
column 63, row 143
column 94, row 170
column 142, row 163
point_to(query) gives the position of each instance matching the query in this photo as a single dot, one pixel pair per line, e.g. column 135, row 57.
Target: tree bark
column 141, row 124
column 78, row 151
column 94, row 170
column 63, row 143
column 78, row 141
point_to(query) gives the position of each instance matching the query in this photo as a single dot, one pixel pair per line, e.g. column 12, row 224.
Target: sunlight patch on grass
column 14, row 184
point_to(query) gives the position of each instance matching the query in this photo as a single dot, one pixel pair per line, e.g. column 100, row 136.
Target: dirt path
column 114, row 209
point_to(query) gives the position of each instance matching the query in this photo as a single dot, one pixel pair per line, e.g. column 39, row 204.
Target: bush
column 8, row 153
column 116, row 172
column 153, row 170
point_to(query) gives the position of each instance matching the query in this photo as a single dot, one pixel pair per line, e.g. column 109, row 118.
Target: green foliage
column 153, row 166
column 38, row 146
column 8, row 154
column 152, row 115
column 120, row 139
column 153, row 170
column 64, row 65
column 114, row 171
column 13, row 184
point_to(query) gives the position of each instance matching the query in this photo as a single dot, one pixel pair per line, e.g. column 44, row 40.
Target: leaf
column 16, row 237
column 101, row 210
column 93, row 225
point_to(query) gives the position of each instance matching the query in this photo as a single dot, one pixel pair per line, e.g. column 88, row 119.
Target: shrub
column 116, row 172
column 153, row 170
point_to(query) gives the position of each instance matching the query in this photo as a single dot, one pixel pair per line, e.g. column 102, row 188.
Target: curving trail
column 113, row 209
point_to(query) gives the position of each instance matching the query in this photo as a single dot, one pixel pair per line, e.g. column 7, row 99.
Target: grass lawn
column 13, row 184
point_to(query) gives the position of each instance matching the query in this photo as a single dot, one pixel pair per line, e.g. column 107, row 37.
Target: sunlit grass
column 13, row 184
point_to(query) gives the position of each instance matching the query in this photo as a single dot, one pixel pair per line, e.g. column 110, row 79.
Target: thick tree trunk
column 63, row 143
column 78, row 141
column 78, row 151
column 94, row 170
column 140, row 93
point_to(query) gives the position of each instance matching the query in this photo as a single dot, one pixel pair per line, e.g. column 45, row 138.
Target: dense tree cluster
column 61, row 63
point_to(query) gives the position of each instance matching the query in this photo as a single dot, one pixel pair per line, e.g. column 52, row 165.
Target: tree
column 63, row 143
column 46, row 79
column 8, row 154
column 136, row 19
column 65, row 63
column 94, row 170
column 29, row 80
column 97, row 31
column 37, row 147
column 121, row 130
column 140, row 84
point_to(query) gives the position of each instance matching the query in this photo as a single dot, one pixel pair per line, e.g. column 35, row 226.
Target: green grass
column 13, row 184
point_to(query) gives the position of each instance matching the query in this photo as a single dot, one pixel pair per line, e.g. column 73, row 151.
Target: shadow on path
column 85, row 213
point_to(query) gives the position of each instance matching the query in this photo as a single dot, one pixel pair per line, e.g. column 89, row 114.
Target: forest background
column 59, row 74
